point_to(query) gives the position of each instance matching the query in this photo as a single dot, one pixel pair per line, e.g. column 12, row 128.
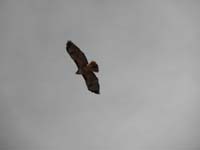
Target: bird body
column 84, row 68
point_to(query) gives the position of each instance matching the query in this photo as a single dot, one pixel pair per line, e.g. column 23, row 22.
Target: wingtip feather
column 69, row 44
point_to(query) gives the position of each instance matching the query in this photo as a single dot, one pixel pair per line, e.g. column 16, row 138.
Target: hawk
column 84, row 68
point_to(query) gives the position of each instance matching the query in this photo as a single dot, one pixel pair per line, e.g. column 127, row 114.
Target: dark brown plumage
column 86, row 69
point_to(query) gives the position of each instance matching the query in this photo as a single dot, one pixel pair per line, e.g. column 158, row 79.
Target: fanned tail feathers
column 93, row 66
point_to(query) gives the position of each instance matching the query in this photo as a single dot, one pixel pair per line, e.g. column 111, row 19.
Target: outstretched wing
column 92, row 82
column 76, row 54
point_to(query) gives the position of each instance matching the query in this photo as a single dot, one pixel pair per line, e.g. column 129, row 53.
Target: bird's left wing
column 76, row 54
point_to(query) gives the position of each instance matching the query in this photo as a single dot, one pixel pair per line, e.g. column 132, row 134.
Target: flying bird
column 84, row 68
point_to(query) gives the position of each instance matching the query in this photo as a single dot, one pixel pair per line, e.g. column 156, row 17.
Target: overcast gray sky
column 148, row 53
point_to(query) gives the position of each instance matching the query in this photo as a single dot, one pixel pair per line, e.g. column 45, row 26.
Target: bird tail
column 93, row 66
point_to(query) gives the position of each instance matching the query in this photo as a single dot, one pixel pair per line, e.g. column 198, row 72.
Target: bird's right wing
column 92, row 82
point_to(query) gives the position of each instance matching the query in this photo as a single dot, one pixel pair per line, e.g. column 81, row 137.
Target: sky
column 148, row 56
